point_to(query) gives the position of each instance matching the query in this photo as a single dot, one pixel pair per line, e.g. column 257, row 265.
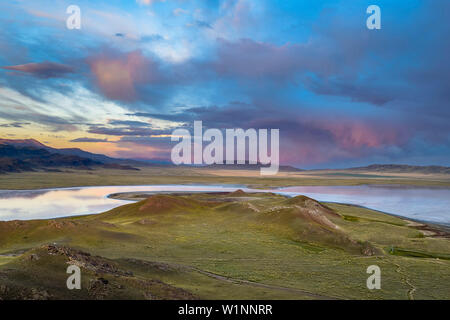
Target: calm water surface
column 421, row 203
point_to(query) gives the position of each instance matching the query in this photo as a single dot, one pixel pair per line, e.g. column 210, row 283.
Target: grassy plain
column 225, row 246
column 184, row 175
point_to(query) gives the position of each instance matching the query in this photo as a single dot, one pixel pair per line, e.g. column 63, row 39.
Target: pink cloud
column 307, row 142
column 119, row 75
column 148, row 2
column 355, row 135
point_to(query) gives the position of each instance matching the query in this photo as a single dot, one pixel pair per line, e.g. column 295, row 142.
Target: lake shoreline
column 437, row 229
column 96, row 194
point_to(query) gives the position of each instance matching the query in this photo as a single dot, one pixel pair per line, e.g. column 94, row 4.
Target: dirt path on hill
column 412, row 289
column 262, row 285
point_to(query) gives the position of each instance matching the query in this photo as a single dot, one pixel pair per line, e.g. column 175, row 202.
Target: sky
column 340, row 94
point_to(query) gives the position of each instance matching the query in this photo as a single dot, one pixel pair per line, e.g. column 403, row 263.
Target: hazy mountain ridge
column 403, row 168
column 248, row 166
column 30, row 156
column 116, row 163
column 66, row 151
column 16, row 159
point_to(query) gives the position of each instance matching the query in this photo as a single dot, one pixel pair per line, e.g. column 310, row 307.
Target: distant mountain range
column 30, row 155
column 387, row 168
column 66, row 151
column 248, row 166
column 403, row 168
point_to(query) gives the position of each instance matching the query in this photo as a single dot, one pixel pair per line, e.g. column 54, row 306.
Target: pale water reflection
column 422, row 203
column 63, row 202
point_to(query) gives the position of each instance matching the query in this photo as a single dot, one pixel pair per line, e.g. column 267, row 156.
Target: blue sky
column 341, row 95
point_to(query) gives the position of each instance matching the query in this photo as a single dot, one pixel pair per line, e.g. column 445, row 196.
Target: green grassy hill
column 224, row 246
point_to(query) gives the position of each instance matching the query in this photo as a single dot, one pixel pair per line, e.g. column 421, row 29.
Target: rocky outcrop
column 84, row 260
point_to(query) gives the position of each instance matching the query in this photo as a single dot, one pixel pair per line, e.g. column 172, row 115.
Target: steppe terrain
column 225, row 246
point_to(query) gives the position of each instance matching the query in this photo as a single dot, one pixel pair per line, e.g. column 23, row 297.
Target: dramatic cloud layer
column 340, row 94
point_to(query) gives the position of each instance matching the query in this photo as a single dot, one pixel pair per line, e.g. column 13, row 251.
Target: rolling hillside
column 224, row 246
